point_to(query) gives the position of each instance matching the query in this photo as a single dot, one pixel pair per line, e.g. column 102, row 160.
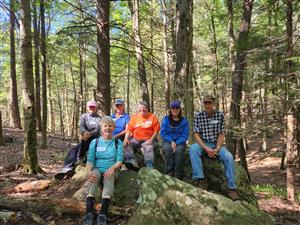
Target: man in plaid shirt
column 209, row 136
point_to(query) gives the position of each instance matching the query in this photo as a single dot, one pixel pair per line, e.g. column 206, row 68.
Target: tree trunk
column 134, row 9
column 166, row 56
column 128, row 83
column 36, row 30
column 82, row 72
column 184, row 32
column 1, row 132
column 44, row 75
column 15, row 120
column 237, row 76
column 103, row 57
column 30, row 160
column 291, row 153
column 50, row 102
column 61, row 116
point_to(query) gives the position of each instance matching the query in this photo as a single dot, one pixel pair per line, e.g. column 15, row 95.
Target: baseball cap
column 175, row 104
column 119, row 102
column 209, row 98
column 91, row 103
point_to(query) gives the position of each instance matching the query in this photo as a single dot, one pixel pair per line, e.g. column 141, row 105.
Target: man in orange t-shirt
column 142, row 131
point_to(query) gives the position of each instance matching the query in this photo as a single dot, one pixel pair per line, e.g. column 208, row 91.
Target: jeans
column 224, row 156
column 71, row 158
column 174, row 161
column 147, row 150
column 85, row 147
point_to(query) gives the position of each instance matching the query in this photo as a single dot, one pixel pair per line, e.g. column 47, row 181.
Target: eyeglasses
column 175, row 108
column 118, row 105
column 208, row 103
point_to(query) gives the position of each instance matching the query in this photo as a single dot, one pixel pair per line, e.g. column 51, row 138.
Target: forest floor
column 268, row 180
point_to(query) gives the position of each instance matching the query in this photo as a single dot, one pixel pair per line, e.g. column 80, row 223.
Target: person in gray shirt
column 89, row 128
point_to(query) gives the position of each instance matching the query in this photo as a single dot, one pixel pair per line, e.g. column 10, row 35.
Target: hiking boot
column 101, row 219
column 132, row 165
column 202, row 184
column 88, row 219
column 233, row 194
column 196, row 182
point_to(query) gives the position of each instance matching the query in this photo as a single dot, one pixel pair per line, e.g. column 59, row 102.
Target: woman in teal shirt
column 104, row 158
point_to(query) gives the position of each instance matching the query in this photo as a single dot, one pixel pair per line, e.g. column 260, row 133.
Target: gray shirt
column 89, row 122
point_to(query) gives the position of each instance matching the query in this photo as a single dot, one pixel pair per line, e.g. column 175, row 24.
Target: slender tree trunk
column 30, row 160
column 50, row 102
column 128, row 83
column 103, row 57
column 184, row 31
column 134, row 9
column 166, row 56
column 15, row 120
column 82, row 71
column 237, row 76
column 1, row 132
column 44, row 75
column 61, row 117
column 36, row 30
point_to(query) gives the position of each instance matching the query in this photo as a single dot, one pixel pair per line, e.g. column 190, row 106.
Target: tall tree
column 103, row 57
column 134, row 9
column 291, row 134
column 237, row 75
column 36, row 38
column 44, row 74
column 183, row 89
column 30, row 160
column 15, row 120
column 166, row 55
column 235, row 142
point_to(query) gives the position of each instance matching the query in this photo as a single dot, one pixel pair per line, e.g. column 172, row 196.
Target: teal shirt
column 104, row 155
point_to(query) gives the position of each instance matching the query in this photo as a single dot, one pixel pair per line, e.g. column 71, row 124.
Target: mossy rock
column 165, row 200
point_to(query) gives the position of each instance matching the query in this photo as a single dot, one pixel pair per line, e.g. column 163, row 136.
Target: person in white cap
column 89, row 128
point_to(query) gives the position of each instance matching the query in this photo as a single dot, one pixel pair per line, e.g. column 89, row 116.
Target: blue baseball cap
column 119, row 102
column 175, row 104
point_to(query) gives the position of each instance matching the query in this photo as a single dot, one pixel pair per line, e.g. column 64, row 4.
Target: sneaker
column 88, row 219
column 149, row 164
column 64, row 174
column 132, row 165
column 101, row 219
column 233, row 194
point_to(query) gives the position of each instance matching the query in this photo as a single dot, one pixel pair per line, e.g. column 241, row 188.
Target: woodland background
column 55, row 55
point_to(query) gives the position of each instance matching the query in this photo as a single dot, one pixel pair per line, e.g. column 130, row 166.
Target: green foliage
column 272, row 190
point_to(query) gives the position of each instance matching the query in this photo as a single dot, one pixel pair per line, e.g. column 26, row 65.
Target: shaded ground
column 263, row 167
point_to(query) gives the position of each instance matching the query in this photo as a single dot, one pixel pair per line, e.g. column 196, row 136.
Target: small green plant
column 271, row 191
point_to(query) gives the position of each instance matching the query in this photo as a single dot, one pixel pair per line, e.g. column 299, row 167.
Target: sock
column 104, row 206
column 90, row 205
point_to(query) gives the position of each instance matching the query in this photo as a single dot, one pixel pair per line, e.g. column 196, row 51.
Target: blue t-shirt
column 121, row 122
column 104, row 155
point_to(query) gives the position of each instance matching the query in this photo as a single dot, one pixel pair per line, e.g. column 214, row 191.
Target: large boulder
column 166, row 200
column 214, row 174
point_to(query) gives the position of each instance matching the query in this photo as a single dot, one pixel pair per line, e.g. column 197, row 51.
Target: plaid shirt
column 209, row 128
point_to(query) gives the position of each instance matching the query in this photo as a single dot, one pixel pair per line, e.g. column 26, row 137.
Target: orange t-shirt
column 143, row 127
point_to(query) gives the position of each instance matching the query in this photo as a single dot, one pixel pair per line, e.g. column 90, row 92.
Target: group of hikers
column 106, row 140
